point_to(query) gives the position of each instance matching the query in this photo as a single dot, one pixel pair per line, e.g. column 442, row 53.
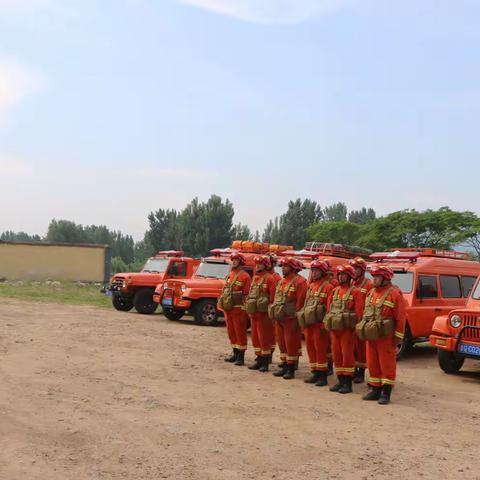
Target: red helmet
column 238, row 256
column 386, row 272
column 263, row 260
column 348, row 269
column 327, row 261
column 297, row 265
column 358, row 262
column 321, row 265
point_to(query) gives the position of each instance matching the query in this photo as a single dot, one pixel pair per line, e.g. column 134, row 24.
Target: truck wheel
column 172, row 314
column 143, row 301
column 205, row 312
column 121, row 303
column 406, row 344
column 449, row 362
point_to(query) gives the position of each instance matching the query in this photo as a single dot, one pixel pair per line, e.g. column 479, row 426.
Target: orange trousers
column 317, row 343
column 237, row 323
column 343, row 350
column 360, row 353
column 289, row 339
column 382, row 361
column 263, row 334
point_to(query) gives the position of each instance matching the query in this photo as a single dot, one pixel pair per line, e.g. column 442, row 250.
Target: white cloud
column 16, row 83
column 270, row 11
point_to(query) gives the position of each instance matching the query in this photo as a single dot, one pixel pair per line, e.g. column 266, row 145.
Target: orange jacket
column 269, row 284
column 356, row 303
column 394, row 306
column 364, row 284
column 297, row 291
column 243, row 282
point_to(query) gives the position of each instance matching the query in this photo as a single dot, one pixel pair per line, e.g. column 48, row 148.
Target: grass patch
column 57, row 292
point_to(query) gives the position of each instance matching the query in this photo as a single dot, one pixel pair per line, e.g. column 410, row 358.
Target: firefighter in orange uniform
column 344, row 311
column 311, row 318
column 365, row 285
column 334, row 284
column 289, row 299
column 261, row 294
column 276, row 278
column 382, row 326
column 232, row 302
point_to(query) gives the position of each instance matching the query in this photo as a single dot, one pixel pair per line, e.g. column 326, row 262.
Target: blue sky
column 110, row 109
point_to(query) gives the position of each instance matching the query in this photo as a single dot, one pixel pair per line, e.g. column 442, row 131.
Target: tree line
column 201, row 226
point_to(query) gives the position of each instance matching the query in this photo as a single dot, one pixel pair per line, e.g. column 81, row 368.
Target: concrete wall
column 37, row 261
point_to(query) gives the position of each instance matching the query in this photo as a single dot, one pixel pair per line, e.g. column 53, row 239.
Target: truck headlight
column 183, row 287
column 455, row 321
column 165, row 285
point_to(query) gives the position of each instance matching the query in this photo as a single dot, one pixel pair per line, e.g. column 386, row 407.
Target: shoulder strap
column 235, row 278
column 384, row 297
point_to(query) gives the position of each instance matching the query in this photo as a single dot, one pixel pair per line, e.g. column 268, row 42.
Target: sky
column 110, row 109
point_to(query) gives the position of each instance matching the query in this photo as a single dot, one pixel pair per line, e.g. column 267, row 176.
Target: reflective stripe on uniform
column 389, row 304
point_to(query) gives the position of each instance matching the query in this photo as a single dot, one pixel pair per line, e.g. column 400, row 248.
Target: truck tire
column 172, row 314
column 406, row 344
column 205, row 312
column 143, row 301
column 449, row 362
column 121, row 303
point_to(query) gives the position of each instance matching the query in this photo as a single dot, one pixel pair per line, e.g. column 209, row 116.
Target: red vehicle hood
column 140, row 277
column 201, row 282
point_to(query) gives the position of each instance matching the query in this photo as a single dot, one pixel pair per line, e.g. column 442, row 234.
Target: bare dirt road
column 94, row 394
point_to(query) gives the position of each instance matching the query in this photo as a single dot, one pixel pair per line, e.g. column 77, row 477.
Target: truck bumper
column 445, row 343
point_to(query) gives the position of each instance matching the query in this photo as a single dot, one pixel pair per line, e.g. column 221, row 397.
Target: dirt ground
column 94, row 394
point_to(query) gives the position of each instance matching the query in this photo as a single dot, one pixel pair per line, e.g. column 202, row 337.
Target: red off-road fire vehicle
column 136, row 289
column 433, row 282
column 457, row 335
column 198, row 295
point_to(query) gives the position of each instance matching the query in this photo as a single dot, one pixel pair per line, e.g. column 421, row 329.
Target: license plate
column 108, row 293
column 469, row 349
column 167, row 301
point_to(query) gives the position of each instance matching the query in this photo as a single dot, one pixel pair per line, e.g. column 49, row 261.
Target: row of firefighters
column 345, row 317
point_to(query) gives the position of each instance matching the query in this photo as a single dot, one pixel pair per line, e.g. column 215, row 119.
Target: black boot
column 282, row 369
column 256, row 365
column 290, row 373
column 385, row 395
column 338, row 385
column 347, row 384
column 330, row 368
column 373, row 393
column 359, row 375
column 312, row 378
column 265, row 361
column 240, row 358
column 232, row 358
column 322, row 379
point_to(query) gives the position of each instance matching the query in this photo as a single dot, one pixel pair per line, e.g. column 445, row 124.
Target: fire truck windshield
column 476, row 293
column 212, row 270
column 403, row 280
column 156, row 265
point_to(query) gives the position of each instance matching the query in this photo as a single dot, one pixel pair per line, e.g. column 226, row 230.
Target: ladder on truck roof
column 412, row 254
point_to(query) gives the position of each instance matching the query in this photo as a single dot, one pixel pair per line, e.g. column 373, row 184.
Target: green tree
column 118, row 265
column 241, row 232
column 346, row 233
column 362, row 216
column 65, row 231
column 11, row 236
column 335, row 213
column 164, row 230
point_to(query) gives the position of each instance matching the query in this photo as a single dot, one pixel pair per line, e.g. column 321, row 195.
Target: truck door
column 426, row 305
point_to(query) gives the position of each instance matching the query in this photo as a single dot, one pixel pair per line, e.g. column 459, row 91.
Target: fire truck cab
column 135, row 289
column 433, row 283
column 457, row 335
column 198, row 296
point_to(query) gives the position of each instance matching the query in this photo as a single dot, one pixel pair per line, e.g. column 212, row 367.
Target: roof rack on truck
column 412, row 254
column 246, row 246
column 170, row 253
column 317, row 250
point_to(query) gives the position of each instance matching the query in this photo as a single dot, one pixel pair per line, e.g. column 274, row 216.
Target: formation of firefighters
column 349, row 322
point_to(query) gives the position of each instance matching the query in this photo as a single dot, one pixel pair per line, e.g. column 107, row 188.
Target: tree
column 362, row 216
column 65, row 231
column 442, row 228
column 164, row 229
column 473, row 239
column 346, row 233
column 118, row 265
column 335, row 213
column 242, row 232
column 10, row 236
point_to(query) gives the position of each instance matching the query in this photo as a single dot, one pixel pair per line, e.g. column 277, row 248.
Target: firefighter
column 261, row 294
column 334, row 283
column 344, row 310
column 289, row 299
column 276, row 278
column 232, row 302
column 382, row 326
column 365, row 285
column 311, row 319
